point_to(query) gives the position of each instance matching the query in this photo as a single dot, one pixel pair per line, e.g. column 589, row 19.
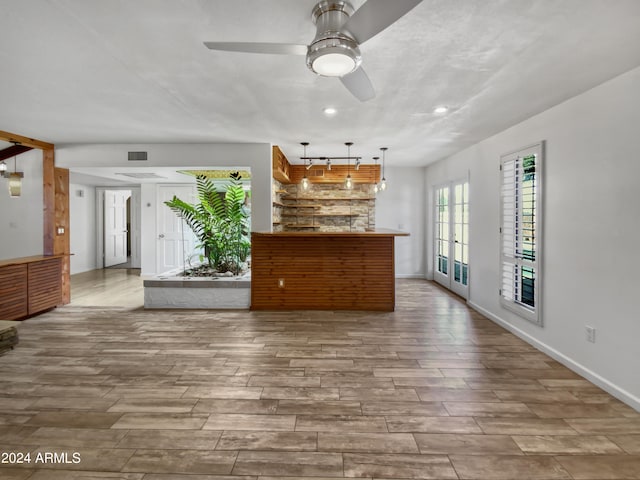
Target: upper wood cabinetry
column 321, row 174
column 29, row 286
column 281, row 166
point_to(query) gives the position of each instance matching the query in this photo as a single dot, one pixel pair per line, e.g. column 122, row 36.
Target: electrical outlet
column 281, row 283
column 591, row 334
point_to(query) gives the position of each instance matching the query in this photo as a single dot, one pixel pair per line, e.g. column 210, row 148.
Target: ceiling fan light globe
column 334, row 56
column 333, row 65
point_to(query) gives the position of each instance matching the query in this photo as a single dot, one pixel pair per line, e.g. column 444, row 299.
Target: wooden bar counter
column 323, row 270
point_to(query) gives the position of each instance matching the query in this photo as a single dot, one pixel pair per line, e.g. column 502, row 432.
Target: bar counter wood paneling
column 323, row 270
column 29, row 285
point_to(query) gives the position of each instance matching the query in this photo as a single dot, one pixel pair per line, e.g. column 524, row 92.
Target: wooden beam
column 13, row 151
column 26, row 141
column 61, row 239
column 49, row 201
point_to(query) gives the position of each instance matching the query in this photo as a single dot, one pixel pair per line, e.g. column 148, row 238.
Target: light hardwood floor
column 109, row 287
column 431, row 391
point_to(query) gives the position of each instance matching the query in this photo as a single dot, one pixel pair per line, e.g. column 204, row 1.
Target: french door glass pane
column 461, row 230
column 442, row 196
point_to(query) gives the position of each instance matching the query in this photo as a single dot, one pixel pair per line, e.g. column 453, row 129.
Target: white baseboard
column 410, row 275
column 620, row 393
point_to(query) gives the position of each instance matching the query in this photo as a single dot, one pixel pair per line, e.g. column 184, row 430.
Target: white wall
column 402, row 207
column 256, row 157
column 82, row 220
column 591, row 258
column 21, row 218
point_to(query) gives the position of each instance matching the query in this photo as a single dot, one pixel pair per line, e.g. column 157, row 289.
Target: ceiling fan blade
column 359, row 85
column 376, row 15
column 249, row 47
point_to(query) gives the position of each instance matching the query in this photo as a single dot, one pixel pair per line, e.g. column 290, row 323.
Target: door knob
column 161, row 235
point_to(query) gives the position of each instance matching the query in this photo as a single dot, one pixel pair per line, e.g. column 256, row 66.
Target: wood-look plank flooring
column 431, row 391
column 108, row 287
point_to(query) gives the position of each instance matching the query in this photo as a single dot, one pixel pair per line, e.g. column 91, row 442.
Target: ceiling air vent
column 137, row 156
column 316, row 172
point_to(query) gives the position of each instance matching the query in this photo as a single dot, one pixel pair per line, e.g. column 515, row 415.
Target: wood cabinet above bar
column 323, row 270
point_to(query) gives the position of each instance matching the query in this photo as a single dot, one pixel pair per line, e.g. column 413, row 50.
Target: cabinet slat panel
column 45, row 285
column 13, row 288
column 323, row 273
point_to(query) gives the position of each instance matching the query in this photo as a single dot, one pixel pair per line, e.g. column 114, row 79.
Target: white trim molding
column 620, row 393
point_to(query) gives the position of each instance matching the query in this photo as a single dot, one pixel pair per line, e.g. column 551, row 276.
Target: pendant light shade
column 383, row 182
column 15, row 184
column 376, row 188
column 14, row 179
column 305, row 184
column 348, row 181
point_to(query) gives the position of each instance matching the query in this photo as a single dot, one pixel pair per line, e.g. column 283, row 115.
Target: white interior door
column 451, row 237
column 176, row 241
column 115, row 226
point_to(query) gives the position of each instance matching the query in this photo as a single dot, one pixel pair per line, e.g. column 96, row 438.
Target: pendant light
column 15, row 182
column 304, row 184
column 348, row 181
column 376, row 188
column 383, row 182
column 14, row 178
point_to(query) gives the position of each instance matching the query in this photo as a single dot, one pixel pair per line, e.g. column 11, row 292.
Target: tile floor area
column 431, row 391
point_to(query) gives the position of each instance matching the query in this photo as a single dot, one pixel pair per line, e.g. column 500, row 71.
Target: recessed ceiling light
column 441, row 110
column 330, row 111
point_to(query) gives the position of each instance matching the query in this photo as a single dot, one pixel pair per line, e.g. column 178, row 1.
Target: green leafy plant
column 219, row 221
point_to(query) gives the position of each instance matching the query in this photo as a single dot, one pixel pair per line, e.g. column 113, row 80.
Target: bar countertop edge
column 378, row 232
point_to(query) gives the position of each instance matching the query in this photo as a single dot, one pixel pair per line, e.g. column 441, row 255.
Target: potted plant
column 219, row 221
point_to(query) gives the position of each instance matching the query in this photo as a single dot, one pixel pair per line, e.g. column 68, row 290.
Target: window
column 520, row 232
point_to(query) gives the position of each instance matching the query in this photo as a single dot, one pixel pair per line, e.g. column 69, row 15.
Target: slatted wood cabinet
column 29, row 285
column 323, row 270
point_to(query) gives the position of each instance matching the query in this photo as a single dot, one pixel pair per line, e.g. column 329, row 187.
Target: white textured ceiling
column 84, row 71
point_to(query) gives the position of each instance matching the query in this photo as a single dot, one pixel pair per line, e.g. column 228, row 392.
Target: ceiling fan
column 340, row 30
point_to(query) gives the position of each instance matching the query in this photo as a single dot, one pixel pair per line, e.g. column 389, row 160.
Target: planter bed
column 170, row 291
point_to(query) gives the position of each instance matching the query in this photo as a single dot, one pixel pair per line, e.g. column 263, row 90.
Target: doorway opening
column 118, row 227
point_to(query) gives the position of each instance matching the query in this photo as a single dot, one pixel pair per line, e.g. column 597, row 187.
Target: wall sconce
column 3, row 168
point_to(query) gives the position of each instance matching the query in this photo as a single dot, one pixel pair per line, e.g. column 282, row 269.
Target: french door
column 451, row 237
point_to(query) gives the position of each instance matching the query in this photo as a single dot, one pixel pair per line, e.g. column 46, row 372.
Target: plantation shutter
column 509, row 229
column 520, row 232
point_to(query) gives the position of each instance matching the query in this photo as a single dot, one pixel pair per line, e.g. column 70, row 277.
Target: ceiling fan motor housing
column 333, row 52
